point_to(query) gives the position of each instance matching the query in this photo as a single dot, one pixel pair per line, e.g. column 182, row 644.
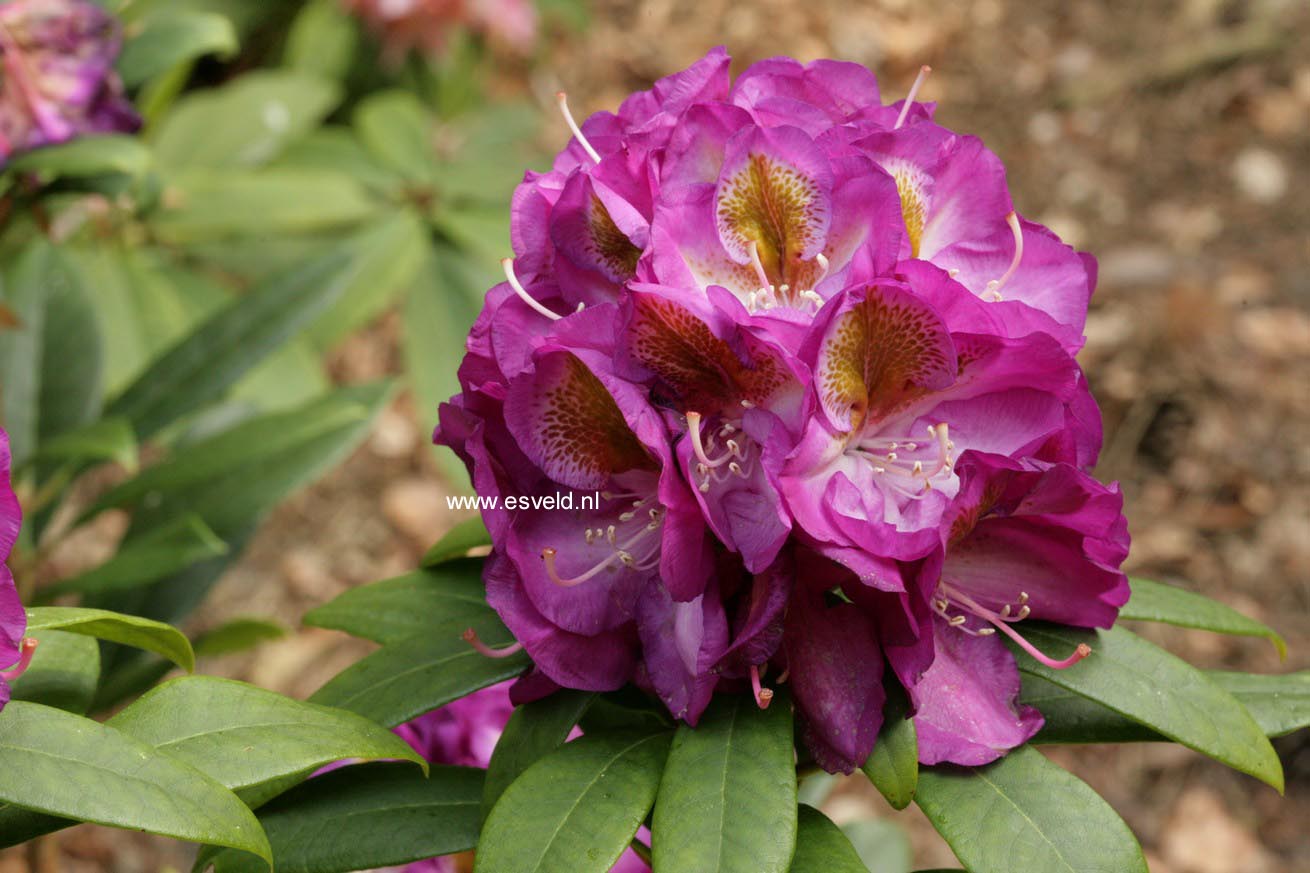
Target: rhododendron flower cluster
column 15, row 651
column 425, row 25
column 821, row 374
column 464, row 733
column 57, row 80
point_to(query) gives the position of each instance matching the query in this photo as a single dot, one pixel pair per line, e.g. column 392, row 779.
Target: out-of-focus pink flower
column 57, row 80
column 15, row 651
column 425, row 25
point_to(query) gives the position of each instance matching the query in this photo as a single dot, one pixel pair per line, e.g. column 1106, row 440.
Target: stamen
column 548, row 555
column 822, row 261
column 993, row 292
column 698, row 448
column 909, row 98
column 562, row 99
column 765, row 284
column 25, row 651
column 508, row 264
column 763, row 696
column 1003, row 625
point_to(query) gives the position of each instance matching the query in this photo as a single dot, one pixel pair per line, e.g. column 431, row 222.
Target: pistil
column 909, row 98
column 562, row 99
column 25, row 651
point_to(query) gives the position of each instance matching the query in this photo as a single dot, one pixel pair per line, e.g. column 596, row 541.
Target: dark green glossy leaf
column 577, row 809
column 205, row 364
column 405, row 679
column 366, row 817
column 1152, row 601
column 244, row 736
column 65, row 765
column 63, row 672
column 148, row 558
column 534, row 730
column 1025, row 813
column 821, row 847
column 459, row 540
column 169, row 38
column 237, row 635
column 894, row 765
column 724, row 781
column 130, row 630
column 406, row 606
column 1150, row 686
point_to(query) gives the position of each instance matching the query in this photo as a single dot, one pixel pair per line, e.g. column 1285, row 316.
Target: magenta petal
column 681, row 643
column 967, row 709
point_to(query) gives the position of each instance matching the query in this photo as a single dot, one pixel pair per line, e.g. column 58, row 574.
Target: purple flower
column 15, row 650
column 58, row 77
column 813, row 367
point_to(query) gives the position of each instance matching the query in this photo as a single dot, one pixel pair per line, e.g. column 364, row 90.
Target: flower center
column 770, row 295
column 906, row 466
column 632, row 541
column 948, row 598
column 724, row 453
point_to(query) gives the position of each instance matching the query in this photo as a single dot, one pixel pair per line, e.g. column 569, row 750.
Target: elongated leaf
column 724, row 779
column 237, row 635
column 821, row 847
column 1151, row 686
column 157, row 554
column 322, row 40
column 1025, row 813
column 109, row 439
column 201, row 367
column 62, row 764
column 87, row 156
column 246, row 123
column 1152, row 601
column 366, row 817
column 893, row 768
column 534, row 730
column 459, row 540
column 172, row 37
column 1280, row 705
column 406, row 606
column 244, row 736
column 398, row 130
column 403, row 680
column 63, row 672
column 130, row 630
column 576, row 809
column 881, row 844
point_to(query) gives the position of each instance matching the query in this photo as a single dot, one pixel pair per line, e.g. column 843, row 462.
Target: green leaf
column 65, row 765
column 893, row 767
column 321, row 41
column 146, row 559
column 202, row 366
column 237, row 635
column 205, row 204
column 1152, row 601
column 403, row 680
column 399, row 131
column 577, row 809
column 245, row 737
column 821, row 847
column 1025, row 813
column 87, row 156
column 728, row 799
column 1280, row 705
column 109, row 439
column 130, row 630
column 534, row 730
column 881, row 844
column 459, row 540
column 1148, row 685
column 169, row 38
column 366, row 817
column 63, row 672
column 245, row 123
column 406, row 606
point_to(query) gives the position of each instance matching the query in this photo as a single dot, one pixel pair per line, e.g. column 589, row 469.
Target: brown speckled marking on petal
column 609, row 244
column 775, row 206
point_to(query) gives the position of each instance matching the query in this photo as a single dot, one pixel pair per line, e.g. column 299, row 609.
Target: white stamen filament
column 993, row 292
column 527, row 298
column 909, row 98
column 562, row 99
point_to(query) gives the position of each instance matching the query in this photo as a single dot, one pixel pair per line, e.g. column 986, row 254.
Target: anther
column 909, row 98
column 508, row 264
column 562, row 99
column 471, row 637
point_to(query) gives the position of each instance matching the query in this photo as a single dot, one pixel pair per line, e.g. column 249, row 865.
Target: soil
column 1170, row 139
